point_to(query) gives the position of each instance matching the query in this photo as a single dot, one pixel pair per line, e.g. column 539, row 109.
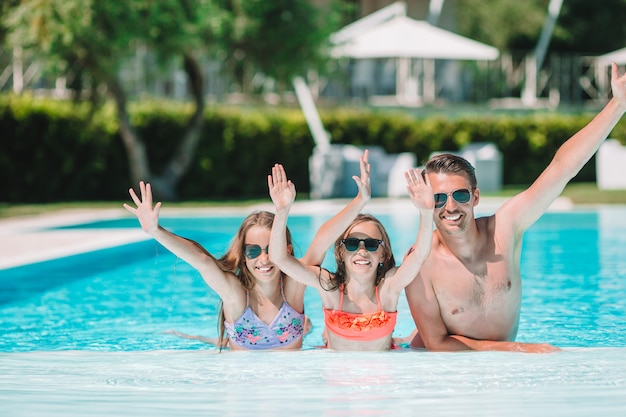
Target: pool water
column 575, row 383
column 85, row 334
column 124, row 298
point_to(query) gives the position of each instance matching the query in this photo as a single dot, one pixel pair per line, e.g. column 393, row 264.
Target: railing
column 510, row 80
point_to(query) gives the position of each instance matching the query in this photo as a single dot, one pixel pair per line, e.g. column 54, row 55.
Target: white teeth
column 264, row 269
column 362, row 262
column 452, row 218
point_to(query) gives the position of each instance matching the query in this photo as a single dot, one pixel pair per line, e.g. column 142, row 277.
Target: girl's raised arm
column 330, row 231
column 191, row 252
column 421, row 195
column 283, row 193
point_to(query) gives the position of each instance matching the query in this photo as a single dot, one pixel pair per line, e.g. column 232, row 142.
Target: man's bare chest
column 477, row 287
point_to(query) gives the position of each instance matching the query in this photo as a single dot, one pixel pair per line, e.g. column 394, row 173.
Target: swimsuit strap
column 282, row 291
column 341, row 298
column 247, row 298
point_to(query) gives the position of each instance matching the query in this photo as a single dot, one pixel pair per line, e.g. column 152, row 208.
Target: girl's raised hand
column 282, row 190
column 419, row 188
column 148, row 216
column 363, row 182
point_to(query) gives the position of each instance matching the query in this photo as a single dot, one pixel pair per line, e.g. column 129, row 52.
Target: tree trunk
column 178, row 166
column 135, row 147
column 164, row 186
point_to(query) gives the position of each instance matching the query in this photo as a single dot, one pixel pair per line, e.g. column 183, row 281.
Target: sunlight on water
column 314, row 383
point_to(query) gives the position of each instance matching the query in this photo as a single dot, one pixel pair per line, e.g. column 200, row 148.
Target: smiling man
column 468, row 292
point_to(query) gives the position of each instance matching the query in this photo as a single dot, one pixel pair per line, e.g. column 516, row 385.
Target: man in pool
column 468, row 292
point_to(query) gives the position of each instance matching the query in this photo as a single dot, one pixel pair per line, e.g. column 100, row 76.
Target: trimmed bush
column 62, row 151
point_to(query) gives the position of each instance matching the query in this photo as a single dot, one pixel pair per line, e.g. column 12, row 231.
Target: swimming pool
column 85, row 334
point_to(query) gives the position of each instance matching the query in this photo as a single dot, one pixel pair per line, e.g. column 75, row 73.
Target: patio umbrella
column 404, row 38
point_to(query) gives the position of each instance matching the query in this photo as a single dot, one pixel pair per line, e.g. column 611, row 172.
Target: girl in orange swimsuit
column 360, row 299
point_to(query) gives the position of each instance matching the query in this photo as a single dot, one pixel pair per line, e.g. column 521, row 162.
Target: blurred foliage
column 505, row 24
column 52, row 152
column 583, row 26
column 280, row 37
column 590, row 27
column 238, row 146
column 97, row 37
column 91, row 41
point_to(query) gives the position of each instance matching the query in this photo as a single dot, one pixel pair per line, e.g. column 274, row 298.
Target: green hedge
column 59, row 151
column 527, row 142
column 50, row 152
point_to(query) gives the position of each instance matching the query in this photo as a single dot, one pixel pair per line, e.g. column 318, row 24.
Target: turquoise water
column 83, row 335
column 124, row 298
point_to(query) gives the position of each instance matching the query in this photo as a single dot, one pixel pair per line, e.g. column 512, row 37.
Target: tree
column 590, row 27
column 505, row 24
column 4, row 9
column 281, row 38
column 583, row 26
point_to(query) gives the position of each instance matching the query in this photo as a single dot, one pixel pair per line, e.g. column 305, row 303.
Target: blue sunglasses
column 461, row 196
column 254, row 251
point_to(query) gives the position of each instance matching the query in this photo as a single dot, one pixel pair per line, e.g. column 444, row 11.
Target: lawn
column 579, row 193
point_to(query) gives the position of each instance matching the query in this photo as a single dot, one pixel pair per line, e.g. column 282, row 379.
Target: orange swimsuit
column 360, row 327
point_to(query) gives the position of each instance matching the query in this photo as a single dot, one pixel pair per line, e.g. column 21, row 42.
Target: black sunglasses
column 461, row 196
column 254, row 251
column 352, row 243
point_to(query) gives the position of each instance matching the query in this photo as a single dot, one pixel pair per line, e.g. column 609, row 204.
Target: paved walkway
column 30, row 239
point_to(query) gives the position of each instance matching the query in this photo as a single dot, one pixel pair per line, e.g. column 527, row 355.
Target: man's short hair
column 448, row 163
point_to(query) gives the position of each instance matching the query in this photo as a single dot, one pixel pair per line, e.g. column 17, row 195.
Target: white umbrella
column 403, row 37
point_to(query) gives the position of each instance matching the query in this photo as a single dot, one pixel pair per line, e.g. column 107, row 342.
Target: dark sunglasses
column 461, row 196
column 254, row 251
column 352, row 243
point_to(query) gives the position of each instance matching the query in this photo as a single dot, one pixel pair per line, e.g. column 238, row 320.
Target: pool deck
column 37, row 238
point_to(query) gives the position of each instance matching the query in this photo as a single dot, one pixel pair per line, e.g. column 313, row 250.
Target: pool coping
column 37, row 238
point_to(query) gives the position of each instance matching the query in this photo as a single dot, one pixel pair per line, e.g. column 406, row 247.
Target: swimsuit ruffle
column 360, row 323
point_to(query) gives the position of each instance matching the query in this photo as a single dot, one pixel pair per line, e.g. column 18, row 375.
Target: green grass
column 579, row 193
column 589, row 194
column 15, row 210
